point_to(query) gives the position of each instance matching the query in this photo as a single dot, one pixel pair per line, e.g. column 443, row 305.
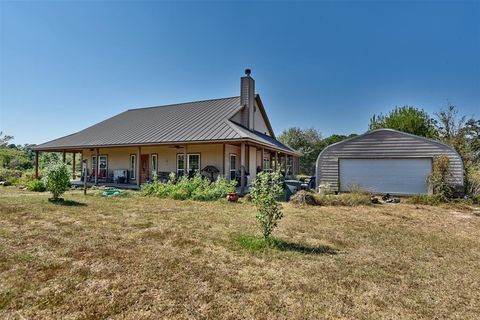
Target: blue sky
column 65, row 66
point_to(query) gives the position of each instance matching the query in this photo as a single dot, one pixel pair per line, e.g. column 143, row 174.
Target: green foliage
column 56, row 179
column 309, row 141
column 265, row 190
column 334, row 138
column 10, row 175
column 472, row 183
column 26, row 178
column 14, row 158
column 195, row 188
column 37, row 185
column 407, row 119
column 440, row 179
column 460, row 132
column 429, row 200
column 256, row 244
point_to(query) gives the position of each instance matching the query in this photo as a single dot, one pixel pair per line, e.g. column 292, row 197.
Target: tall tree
column 4, row 139
column 407, row 119
column 308, row 141
column 461, row 132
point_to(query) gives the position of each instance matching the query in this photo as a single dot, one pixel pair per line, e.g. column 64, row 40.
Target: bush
column 303, row 197
column 36, row 185
column 26, row 178
column 57, row 179
column 265, row 190
column 440, row 179
column 472, row 184
column 344, row 199
column 195, row 188
column 10, row 175
column 430, row 200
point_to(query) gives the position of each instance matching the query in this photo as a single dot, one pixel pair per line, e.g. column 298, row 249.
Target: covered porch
column 130, row 166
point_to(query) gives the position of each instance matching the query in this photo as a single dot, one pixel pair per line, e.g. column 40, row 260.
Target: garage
column 395, row 176
column 385, row 161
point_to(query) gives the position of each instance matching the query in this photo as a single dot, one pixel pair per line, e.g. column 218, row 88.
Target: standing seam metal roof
column 185, row 122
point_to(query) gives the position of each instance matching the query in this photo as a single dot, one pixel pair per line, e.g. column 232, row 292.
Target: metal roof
column 199, row 121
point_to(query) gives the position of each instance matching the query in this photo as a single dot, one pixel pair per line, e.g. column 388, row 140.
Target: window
column 133, row 166
column 102, row 166
column 193, row 164
column 233, row 166
column 180, row 165
column 266, row 164
column 94, row 166
column 154, row 159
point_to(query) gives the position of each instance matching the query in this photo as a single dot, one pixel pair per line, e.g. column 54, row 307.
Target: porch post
column 185, row 161
column 224, row 162
column 285, row 165
column 276, row 160
column 262, row 160
column 74, row 154
column 36, row 164
column 64, row 157
column 242, row 168
column 96, row 165
column 139, row 153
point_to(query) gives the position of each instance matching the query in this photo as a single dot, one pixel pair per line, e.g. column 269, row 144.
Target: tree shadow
column 253, row 243
column 68, row 203
column 284, row 245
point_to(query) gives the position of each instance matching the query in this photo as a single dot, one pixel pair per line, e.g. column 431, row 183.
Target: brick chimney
column 247, row 99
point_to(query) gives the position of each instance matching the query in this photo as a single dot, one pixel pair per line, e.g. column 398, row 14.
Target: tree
column 334, row 138
column 4, row 139
column 265, row 190
column 461, row 132
column 308, row 141
column 57, row 179
column 407, row 119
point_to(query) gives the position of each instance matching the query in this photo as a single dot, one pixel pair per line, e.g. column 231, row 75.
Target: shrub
column 36, row 185
column 265, row 190
column 303, row 197
column 430, row 200
column 26, row 178
column 344, row 199
column 440, row 179
column 472, row 184
column 10, row 175
column 195, row 188
column 56, row 179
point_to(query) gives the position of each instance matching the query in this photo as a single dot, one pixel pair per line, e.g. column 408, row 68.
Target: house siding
column 211, row 154
column 384, row 144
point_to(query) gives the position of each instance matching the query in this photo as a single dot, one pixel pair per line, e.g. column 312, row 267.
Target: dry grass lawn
column 146, row 258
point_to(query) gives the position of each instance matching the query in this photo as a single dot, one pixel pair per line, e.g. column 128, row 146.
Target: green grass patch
column 258, row 244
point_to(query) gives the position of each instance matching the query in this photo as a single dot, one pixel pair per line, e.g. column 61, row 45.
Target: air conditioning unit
column 119, row 173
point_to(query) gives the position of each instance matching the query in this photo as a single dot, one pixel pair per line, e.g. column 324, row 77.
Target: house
column 385, row 161
column 232, row 136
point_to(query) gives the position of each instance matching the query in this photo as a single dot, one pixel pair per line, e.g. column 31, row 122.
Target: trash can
column 291, row 187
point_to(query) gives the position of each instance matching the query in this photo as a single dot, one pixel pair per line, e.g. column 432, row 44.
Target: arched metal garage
column 385, row 161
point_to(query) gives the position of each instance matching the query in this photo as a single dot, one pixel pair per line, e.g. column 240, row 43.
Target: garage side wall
column 383, row 144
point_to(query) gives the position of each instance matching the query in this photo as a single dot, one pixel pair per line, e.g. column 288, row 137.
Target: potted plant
column 232, row 197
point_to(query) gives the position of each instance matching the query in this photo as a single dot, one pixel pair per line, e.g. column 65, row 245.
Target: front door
column 144, row 171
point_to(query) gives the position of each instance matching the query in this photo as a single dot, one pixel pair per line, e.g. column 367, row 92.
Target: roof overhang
column 79, row 148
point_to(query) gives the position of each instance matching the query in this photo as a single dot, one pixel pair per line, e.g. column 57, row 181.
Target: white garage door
column 395, row 176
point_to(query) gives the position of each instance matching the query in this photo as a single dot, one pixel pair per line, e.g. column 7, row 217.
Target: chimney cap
column 248, row 72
